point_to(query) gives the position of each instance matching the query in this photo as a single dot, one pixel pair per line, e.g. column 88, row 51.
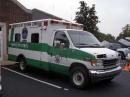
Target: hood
column 101, row 51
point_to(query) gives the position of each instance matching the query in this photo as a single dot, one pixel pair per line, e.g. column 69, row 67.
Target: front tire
column 79, row 77
column 108, row 80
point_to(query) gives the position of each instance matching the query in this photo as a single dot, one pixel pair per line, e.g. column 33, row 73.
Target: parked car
column 122, row 46
column 123, row 52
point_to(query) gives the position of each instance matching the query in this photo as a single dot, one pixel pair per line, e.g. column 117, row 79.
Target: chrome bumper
column 104, row 74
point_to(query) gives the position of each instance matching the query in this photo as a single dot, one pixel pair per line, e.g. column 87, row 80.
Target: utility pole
column 1, row 54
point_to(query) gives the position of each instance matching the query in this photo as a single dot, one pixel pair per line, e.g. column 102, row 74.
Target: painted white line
column 44, row 82
column 66, row 89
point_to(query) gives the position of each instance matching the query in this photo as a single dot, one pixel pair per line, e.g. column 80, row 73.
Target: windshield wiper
column 86, row 45
column 81, row 44
column 95, row 45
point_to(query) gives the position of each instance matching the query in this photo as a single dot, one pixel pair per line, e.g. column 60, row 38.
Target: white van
column 62, row 47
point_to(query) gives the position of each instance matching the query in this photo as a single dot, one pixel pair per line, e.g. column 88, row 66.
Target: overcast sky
column 113, row 14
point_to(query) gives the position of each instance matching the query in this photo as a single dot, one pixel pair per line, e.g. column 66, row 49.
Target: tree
column 87, row 17
column 107, row 37
column 125, row 32
column 110, row 38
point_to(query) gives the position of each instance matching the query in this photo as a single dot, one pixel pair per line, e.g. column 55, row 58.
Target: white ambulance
column 63, row 47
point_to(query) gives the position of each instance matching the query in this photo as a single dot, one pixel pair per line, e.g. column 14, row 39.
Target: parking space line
column 66, row 89
column 44, row 82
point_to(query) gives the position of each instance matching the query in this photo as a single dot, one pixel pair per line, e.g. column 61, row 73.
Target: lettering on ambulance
column 19, row 45
column 72, row 53
column 57, row 59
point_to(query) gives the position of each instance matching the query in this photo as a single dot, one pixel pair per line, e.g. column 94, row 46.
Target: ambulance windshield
column 82, row 39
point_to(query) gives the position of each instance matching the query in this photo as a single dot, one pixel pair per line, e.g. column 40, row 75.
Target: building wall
column 38, row 14
column 12, row 13
column 4, row 36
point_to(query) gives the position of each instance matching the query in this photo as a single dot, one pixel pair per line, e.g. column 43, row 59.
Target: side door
column 34, row 45
column 39, row 52
column 59, row 52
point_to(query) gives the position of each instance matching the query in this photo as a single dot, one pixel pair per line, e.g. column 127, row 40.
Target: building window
column 17, row 37
column 35, row 38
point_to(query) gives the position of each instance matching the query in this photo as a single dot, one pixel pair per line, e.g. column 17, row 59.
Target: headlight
column 96, row 62
column 99, row 62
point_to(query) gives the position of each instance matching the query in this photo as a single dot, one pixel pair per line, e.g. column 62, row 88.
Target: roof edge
column 21, row 6
column 47, row 13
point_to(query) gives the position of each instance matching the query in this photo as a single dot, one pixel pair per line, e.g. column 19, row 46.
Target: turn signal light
column 93, row 62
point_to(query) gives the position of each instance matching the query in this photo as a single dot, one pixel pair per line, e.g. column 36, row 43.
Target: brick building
column 11, row 11
column 38, row 14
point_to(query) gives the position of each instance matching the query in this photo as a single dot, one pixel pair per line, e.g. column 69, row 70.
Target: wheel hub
column 78, row 78
column 21, row 65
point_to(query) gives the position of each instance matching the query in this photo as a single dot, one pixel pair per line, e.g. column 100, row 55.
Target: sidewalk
column 8, row 63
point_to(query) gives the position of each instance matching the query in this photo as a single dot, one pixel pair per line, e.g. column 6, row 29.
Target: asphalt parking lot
column 38, row 83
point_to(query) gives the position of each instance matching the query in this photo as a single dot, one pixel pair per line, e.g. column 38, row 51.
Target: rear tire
column 79, row 77
column 22, row 64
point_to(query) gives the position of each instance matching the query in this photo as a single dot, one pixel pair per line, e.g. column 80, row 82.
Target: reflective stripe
column 65, row 52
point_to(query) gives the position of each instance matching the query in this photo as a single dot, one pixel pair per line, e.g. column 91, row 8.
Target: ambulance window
column 35, row 38
column 61, row 40
column 17, row 37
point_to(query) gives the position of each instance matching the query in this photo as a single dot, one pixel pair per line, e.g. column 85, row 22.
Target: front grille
column 101, row 56
column 110, row 63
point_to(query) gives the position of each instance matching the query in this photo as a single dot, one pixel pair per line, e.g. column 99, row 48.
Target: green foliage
column 125, row 32
column 87, row 16
column 107, row 37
